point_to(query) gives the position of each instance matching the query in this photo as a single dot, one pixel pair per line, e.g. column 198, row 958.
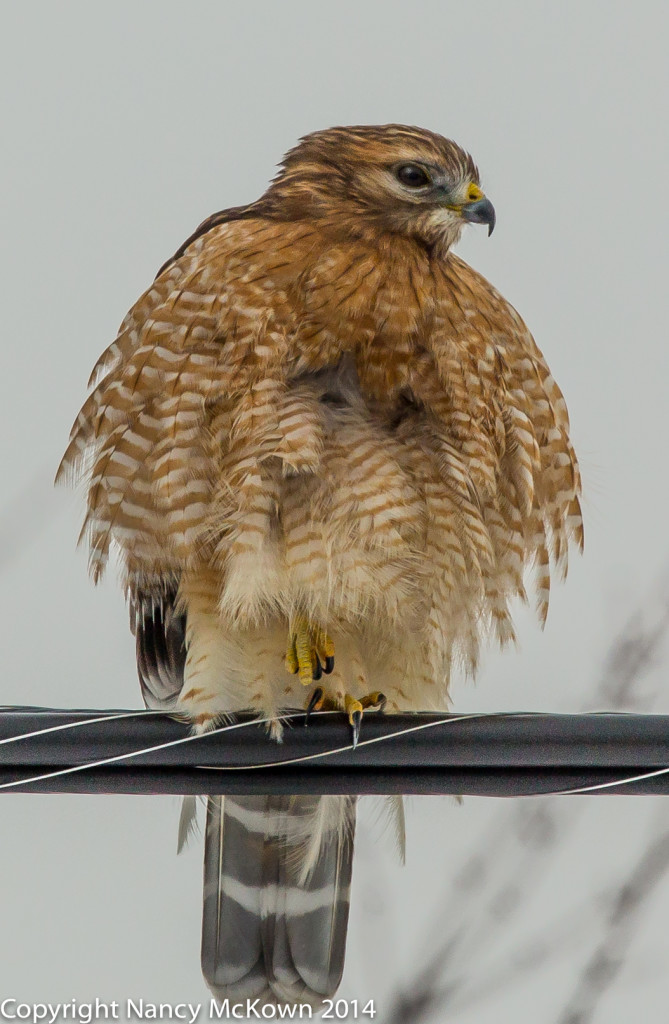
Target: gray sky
column 124, row 125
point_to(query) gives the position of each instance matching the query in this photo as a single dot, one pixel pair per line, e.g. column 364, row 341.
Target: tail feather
column 270, row 929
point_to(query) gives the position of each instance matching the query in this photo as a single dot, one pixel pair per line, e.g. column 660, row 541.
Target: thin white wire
column 427, row 725
column 606, row 785
column 196, row 736
column 339, row 750
column 189, row 739
column 75, row 725
column 133, row 753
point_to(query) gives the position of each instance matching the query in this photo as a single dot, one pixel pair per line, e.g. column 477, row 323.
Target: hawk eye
column 412, row 175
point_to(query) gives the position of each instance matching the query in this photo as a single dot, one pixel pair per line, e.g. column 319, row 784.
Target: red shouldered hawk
column 322, row 443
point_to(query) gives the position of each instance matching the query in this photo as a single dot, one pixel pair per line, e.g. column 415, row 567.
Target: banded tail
column 277, row 876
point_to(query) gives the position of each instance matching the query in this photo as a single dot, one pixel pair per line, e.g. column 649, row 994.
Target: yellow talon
column 310, row 651
column 374, row 700
column 355, row 708
column 351, row 706
column 321, row 700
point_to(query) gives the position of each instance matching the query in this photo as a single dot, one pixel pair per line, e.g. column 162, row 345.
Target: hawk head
column 385, row 178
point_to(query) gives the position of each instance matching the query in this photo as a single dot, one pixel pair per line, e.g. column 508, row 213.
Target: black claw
column 381, row 702
column 317, row 671
column 316, row 696
column 356, row 722
column 329, row 664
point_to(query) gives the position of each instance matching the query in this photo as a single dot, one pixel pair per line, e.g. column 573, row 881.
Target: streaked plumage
column 318, row 410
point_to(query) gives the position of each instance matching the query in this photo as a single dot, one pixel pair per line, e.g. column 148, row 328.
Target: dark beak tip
column 481, row 212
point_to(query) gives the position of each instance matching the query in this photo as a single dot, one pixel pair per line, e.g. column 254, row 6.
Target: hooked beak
column 481, row 211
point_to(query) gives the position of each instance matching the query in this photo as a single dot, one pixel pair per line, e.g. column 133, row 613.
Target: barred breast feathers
column 359, row 430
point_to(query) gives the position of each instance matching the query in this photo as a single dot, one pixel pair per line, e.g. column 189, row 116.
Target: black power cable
column 59, row 751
